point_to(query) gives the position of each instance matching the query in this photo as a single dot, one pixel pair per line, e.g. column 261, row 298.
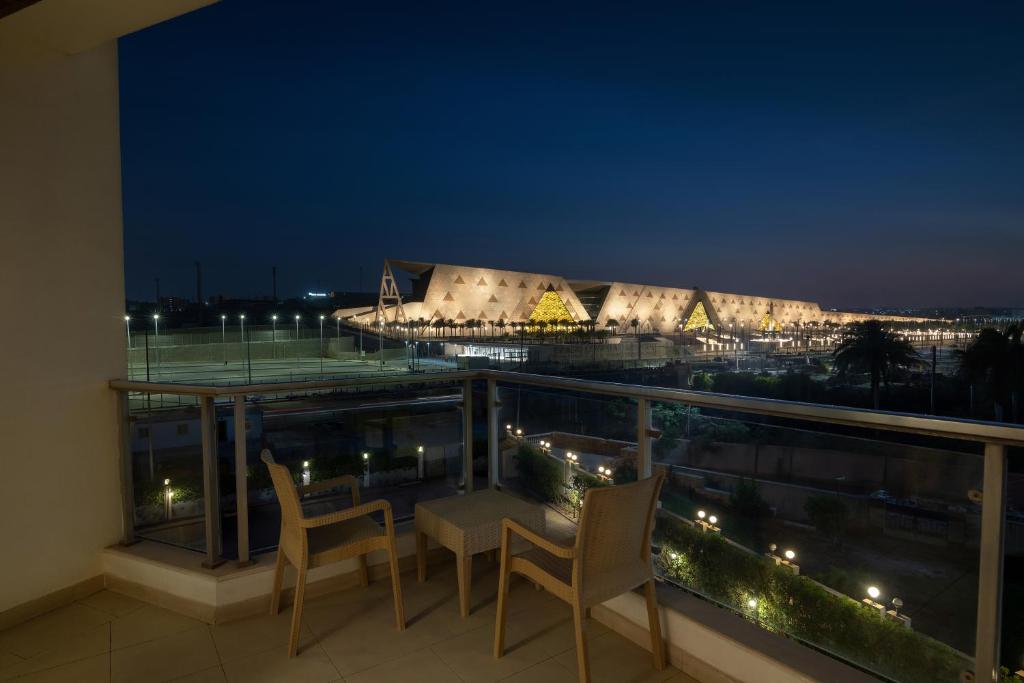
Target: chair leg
column 364, row 573
column 421, row 557
column 300, row 593
column 582, row 662
column 499, row 620
column 465, row 572
column 654, row 622
column 396, row 585
column 275, row 592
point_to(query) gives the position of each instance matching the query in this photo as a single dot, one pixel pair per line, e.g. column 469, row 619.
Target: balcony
column 894, row 547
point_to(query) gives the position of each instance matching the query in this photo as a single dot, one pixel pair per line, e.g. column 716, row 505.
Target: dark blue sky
column 850, row 153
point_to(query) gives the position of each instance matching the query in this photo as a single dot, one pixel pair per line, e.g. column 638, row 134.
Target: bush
column 539, row 474
column 800, row 608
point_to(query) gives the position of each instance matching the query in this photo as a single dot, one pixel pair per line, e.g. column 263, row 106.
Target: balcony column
column 467, row 434
column 990, row 569
column 127, row 472
column 211, row 485
column 493, row 434
column 643, row 438
column 241, row 482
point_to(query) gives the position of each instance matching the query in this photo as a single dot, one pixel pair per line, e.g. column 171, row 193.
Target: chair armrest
column 538, row 540
column 327, row 484
column 347, row 514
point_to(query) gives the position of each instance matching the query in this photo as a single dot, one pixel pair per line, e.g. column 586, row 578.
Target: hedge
column 801, row 608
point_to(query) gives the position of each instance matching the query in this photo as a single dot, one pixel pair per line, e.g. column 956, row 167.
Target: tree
column 875, row 350
column 828, row 514
column 997, row 358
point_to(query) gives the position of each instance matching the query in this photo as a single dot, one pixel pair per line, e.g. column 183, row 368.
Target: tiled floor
column 347, row 636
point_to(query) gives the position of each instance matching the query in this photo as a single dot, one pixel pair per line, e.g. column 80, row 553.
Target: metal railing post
column 493, row 434
column 211, row 485
column 467, row 434
column 643, row 438
column 241, row 481
column 126, row 469
column 990, row 568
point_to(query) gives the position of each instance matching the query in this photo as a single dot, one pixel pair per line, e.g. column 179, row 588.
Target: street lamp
column 223, row 337
column 273, row 335
column 296, row 340
column 321, row 345
column 366, row 469
column 305, row 473
column 707, row 522
column 156, row 340
column 128, row 327
column 419, row 461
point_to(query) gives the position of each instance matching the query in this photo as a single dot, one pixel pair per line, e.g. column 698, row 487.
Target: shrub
column 746, row 500
column 800, row 608
column 540, row 475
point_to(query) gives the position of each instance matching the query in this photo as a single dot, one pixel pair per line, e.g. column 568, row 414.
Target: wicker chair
column 612, row 555
column 308, row 542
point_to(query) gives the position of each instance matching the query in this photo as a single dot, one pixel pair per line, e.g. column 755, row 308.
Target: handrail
column 954, row 428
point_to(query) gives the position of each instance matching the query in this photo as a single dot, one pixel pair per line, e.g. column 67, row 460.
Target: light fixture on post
column 306, row 478
column 366, row 469
column 872, row 600
column 895, row 615
column 786, row 559
column 519, row 431
column 707, row 522
column 419, row 462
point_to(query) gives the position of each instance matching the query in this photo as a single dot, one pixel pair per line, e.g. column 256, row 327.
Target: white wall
column 61, row 268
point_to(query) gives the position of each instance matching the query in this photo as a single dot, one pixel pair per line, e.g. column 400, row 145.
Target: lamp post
column 223, row 337
column 419, row 462
column 168, row 499
column 786, row 559
column 366, row 469
column 296, row 340
column 128, row 328
column 156, row 341
column 273, row 335
column 241, row 328
column 321, row 345
column 306, row 478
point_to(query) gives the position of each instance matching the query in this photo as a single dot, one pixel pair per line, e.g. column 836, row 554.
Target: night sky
column 852, row 154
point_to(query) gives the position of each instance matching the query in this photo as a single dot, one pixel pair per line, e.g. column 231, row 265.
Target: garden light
column 519, row 431
column 701, row 514
column 873, row 592
column 713, row 519
column 752, row 603
column 508, row 428
column 790, row 555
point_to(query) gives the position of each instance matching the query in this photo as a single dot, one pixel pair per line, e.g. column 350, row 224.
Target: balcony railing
column 915, row 506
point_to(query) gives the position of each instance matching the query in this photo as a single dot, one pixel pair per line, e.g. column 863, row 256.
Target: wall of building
column 60, row 269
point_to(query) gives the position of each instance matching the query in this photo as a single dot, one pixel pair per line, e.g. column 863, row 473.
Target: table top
column 478, row 508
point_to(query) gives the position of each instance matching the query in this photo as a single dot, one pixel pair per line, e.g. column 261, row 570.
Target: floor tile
column 423, row 667
column 471, row 655
column 50, row 630
column 256, row 634
column 547, row 671
column 84, row 645
column 613, row 659
column 92, row 670
column 148, row 623
column 165, row 659
column 312, row 665
column 112, row 603
column 211, row 675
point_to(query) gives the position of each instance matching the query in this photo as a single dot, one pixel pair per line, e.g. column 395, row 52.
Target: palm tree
column 501, row 326
column 997, row 358
column 611, row 324
column 450, row 324
column 438, row 326
column 871, row 348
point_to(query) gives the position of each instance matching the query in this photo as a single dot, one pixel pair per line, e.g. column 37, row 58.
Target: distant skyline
column 855, row 155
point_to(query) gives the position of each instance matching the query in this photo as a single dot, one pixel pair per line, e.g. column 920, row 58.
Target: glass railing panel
column 862, row 544
column 165, row 446
column 402, row 444
column 555, row 445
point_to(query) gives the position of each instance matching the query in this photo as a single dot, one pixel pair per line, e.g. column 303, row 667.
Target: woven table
column 468, row 525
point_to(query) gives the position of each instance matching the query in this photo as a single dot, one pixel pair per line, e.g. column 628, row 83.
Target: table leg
column 465, row 567
column 421, row 556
